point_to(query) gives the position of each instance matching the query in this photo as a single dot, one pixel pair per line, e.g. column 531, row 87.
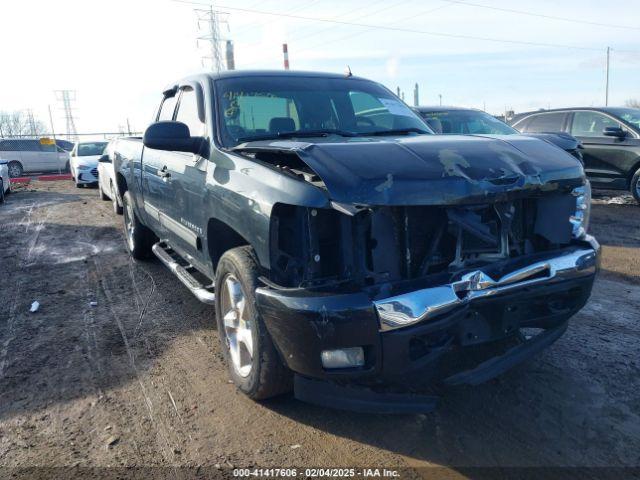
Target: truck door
column 156, row 191
column 187, row 175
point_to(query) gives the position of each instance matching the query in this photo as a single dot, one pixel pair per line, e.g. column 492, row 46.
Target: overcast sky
column 118, row 54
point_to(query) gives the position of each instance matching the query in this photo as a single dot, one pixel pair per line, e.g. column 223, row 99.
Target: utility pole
column 211, row 20
column 66, row 97
column 416, row 96
column 440, row 97
column 606, row 90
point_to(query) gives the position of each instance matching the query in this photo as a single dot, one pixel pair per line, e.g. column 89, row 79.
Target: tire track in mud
column 21, row 264
column 151, row 397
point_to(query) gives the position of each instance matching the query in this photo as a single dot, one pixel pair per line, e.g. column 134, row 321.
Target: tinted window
column 591, row 124
column 188, row 113
column 545, row 122
column 466, row 122
column 629, row 115
column 166, row 109
column 47, row 148
column 253, row 107
column 91, row 148
column 258, row 111
column 9, row 145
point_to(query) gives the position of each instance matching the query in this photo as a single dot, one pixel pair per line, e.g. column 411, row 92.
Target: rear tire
column 635, row 186
column 138, row 238
column 259, row 374
column 15, row 169
column 1, row 191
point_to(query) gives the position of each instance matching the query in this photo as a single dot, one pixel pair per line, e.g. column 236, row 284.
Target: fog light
column 343, row 358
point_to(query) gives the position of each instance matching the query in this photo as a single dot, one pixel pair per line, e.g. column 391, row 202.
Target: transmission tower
column 66, row 97
column 209, row 22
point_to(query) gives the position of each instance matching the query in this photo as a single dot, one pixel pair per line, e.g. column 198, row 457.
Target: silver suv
column 30, row 155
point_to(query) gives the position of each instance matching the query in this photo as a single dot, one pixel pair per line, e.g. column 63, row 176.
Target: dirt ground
column 138, row 379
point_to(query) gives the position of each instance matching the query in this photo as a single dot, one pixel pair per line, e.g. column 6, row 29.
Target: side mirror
column 104, row 159
column 171, row 136
column 614, row 132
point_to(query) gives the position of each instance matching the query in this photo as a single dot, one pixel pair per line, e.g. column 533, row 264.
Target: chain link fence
column 46, row 152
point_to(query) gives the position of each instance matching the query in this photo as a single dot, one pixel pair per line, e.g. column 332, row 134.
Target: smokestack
column 416, row 96
column 231, row 62
column 285, row 52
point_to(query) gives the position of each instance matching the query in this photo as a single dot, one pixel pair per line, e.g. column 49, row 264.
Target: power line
column 400, row 29
column 354, row 34
column 540, row 15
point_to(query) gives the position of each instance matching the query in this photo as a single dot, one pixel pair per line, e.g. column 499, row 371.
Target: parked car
column 29, row 156
column 467, row 121
column 84, row 162
column 348, row 250
column 610, row 136
column 107, row 180
column 5, row 181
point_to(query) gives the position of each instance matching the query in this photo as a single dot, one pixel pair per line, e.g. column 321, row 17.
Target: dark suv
column 610, row 136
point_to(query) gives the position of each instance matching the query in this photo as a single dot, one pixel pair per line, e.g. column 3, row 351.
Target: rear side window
column 188, row 113
column 9, row 145
column 29, row 145
column 591, row 124
column 545, row 122
column 167, row 108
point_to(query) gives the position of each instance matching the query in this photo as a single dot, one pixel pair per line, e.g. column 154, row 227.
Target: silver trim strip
column 170, row 224
column 413, row 307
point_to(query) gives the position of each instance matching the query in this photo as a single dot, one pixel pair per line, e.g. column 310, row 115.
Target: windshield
column 273, row 107
column 89, row 149
column 466, row 122
column 629, row 115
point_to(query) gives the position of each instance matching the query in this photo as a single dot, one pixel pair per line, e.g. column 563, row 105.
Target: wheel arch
column 121, row 184
column 632, row 171
column 222, row 237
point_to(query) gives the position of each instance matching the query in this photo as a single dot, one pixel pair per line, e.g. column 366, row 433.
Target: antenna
column 347, row 72
column 66, row 97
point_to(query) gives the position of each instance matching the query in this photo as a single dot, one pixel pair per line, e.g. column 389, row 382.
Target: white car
column 107, row 179
column 84, row 162
column 5, row 183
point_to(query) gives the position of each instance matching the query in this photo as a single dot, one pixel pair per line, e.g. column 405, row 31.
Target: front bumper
column 87, row 176
column 462, row 331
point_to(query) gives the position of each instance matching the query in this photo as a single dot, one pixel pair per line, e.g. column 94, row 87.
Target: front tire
column 254, row 364
column 635, row 186
column 101, row 193
column 138, row 238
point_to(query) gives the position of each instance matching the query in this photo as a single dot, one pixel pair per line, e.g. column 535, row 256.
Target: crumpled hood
column 430, row 170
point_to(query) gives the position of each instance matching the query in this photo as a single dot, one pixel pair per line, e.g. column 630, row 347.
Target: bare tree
column 20, row 124
column 633, row 103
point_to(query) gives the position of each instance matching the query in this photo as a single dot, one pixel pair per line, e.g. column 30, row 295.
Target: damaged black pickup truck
column 350, row 254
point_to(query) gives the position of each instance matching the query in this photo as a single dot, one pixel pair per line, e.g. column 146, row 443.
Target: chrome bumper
column 420, row 305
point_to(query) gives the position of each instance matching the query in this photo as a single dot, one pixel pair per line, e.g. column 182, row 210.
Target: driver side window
column 591, row 124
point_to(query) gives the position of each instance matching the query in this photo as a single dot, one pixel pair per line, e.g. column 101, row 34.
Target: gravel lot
column 138, row 380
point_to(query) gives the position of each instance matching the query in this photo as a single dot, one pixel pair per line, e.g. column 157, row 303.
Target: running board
column 202, row 292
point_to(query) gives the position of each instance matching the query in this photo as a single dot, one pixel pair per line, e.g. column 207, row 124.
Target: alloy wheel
column 237, row 327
